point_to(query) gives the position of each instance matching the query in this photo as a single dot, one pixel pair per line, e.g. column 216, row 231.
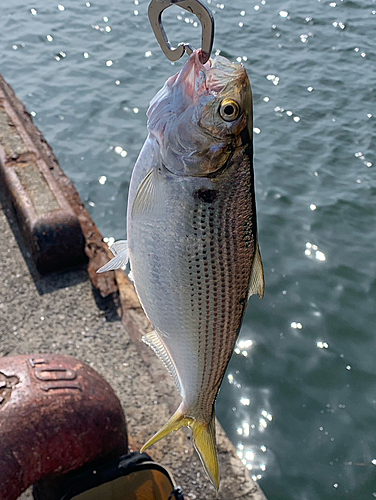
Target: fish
column 192, row 239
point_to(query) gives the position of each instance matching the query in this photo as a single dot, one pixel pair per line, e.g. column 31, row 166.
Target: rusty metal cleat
column 56, row 415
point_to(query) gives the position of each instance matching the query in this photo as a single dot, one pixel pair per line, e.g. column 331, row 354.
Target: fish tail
column 205, row 444
column 203, row 440
column 177, row 421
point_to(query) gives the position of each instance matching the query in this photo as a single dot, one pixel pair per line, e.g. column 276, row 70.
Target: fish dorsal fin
column 257, row 283
column 149, row 201
column 120, row 250
column 154, row 341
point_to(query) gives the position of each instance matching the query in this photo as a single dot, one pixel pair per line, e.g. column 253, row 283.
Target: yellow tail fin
column 203, row 440
column 205, row 444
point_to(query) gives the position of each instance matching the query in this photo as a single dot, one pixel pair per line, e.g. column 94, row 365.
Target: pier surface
column 96, row 319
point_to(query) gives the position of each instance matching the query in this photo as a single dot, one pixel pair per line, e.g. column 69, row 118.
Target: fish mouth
column 192, row 77
column 196, row 79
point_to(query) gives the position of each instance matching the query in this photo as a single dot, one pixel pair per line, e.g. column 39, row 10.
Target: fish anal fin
column 205, row 444
column 257, row 282
column 149, row 200
column 154, row 341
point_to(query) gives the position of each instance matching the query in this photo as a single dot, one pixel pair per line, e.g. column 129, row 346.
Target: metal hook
column 205, row 17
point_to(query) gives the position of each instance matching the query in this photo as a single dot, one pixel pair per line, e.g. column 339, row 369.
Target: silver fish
column 192, row 235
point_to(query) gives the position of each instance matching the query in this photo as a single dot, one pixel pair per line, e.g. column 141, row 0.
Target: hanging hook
column 205, row 17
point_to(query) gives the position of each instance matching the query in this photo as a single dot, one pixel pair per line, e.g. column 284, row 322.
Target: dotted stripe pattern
column 192, row 270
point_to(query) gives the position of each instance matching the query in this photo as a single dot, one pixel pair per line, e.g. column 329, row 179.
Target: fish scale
column 192, row 235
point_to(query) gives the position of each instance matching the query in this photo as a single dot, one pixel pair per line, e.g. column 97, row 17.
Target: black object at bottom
column 130, row 477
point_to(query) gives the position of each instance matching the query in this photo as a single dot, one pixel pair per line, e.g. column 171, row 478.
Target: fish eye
column 229, row 110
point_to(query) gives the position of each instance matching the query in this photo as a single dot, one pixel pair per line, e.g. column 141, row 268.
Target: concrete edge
column 115, row 284
column 49, row 226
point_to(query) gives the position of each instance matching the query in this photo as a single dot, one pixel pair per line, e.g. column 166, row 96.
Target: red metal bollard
column 56, row 414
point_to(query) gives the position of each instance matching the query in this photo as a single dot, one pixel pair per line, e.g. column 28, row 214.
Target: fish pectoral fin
column 149, row 200
column 177, row 421
column 257, row 282
column 154, row 341
column 120, row 250
column 205, row 444
column 119, row 246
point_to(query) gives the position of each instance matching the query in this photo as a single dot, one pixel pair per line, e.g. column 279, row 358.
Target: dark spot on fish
column 205, row 195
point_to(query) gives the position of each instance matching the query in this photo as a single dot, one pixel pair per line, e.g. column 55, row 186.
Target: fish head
column 201, row 115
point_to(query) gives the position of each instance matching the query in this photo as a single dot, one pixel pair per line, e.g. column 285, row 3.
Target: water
column 299, row 399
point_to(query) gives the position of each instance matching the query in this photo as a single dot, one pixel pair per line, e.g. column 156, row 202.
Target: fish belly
column 191, row 263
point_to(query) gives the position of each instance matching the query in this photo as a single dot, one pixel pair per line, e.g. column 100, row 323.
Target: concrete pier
column 96, row 318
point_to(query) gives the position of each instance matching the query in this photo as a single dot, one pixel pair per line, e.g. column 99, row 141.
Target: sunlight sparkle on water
column 102, row 179
column 283, row 13
column 245, row 401
column 267, row 415
column 273, row 78
column 49, row 38
column 61, row 7
column 296, row 325
column 120, row 151
column 263, row 424
column 313, row 251
column 110, row 240
column 312, row 206
column 34, row 12
column 232, row 381
column 322, row 345
column 245, row 344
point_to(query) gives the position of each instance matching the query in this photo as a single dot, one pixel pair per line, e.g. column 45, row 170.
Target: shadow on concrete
column 57, row 280
column 110, row 305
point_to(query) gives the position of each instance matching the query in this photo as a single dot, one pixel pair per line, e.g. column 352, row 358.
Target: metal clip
column 205, row 17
